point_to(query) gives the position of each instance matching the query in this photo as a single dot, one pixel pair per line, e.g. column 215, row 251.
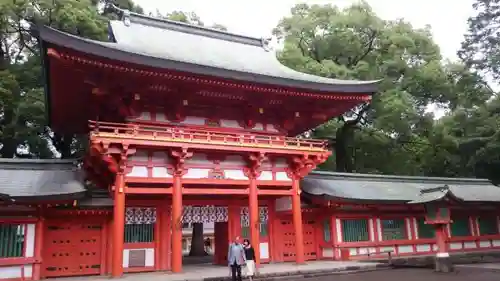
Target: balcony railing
column 186, row 135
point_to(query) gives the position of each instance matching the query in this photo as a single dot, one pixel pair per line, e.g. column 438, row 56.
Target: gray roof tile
column 172, row 45
column 29, row 179
column 397, row 188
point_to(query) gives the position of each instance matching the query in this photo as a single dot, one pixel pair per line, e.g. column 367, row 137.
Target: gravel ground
column 460, row 274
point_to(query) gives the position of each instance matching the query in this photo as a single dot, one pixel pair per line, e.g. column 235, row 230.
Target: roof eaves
column 377, row 177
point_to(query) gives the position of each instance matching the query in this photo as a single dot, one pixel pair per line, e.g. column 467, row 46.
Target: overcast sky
column 448, row 18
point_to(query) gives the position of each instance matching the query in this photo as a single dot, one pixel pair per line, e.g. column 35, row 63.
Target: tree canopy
column 396, row 127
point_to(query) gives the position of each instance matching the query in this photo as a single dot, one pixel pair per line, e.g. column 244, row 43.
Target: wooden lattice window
column 327, row 231
column 355, row 230
column 12, row 240
column 139, row 225
column 393, row 229
column 139, row 233
column 460, row 227
column 425, row 231
column 263, row 227
column 488, row 225
column 263, row 222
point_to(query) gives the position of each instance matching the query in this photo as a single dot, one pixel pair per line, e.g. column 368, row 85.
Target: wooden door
column 221, row 242
column 287, row 240
column 71, row 248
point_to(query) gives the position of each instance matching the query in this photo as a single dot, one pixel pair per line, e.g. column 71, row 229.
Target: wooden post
column 118, row 225
column 297, row 222
column 177, row 224
column 164, row 235
column 253, row 211
column 441, row 239
column 39, row 227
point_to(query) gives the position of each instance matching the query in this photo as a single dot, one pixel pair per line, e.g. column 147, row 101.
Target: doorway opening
column 205, row 234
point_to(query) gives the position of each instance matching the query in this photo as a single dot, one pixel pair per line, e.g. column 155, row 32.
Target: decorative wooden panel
column 71, row 249
column 288, row 240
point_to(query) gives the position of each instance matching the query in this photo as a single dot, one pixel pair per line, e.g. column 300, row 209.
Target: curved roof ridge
column 396, row 177
column 190, row 28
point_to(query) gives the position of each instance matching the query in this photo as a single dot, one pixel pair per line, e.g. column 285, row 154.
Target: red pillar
column 37, row 270
column 118, row 226
column 177, row 224
column 297, row 222
column 441, row 240
column 164, row 237
column 253, row 211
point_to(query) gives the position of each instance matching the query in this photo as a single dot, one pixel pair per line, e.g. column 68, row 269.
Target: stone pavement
column 267, row 271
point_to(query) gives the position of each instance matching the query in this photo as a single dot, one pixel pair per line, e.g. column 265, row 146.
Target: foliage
column 354, row 43
column 23, row 130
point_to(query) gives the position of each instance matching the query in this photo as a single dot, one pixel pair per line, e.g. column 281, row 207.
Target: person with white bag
column 250, row 259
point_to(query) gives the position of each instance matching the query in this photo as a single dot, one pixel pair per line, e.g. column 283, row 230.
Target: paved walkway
column 461, row 274
column 214, row 272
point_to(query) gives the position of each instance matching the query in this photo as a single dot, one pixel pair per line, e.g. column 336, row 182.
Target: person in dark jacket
column 250, row 259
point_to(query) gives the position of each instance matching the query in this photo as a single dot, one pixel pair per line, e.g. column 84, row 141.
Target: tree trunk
column 197, row 241
column 9, row 148
column 343, row 153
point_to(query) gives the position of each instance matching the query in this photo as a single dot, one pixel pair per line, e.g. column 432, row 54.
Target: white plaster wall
column 196, row 173
column 339, row 230
column 423, row 248
column 230, row 124
column 30, row 240
column 282, row 176
column 264, row 250
column 266, row 175
column 160, row 172
column 138, row 171
column 484, row 244
column 372, row 229
column 456, row 245
column 150, row 257
column 415, row 226
column 7, row 272
column 192, row 120
column 405, row 249
column 408, row 228
column 327, row 252
column 235, row 175
column 470, row 245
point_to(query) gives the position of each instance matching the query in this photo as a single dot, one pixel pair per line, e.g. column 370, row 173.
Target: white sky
column 448, row 18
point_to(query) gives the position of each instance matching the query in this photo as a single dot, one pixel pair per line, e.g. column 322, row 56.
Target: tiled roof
column 27, row 179
column 363, row 187
column 178, row 46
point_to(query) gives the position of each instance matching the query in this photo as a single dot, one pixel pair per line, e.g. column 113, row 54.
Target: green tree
column 354, row 43
column 478, row 129
column 23, row 130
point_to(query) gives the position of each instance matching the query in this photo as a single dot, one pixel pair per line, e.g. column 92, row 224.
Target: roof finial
column 265, row 44
column 126, row 17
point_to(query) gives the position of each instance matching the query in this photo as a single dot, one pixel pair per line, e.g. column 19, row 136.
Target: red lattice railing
column 187, row 135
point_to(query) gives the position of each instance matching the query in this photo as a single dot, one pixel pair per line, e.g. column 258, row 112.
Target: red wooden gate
column 288, row 240
column 71, row 248
column 221, row 243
